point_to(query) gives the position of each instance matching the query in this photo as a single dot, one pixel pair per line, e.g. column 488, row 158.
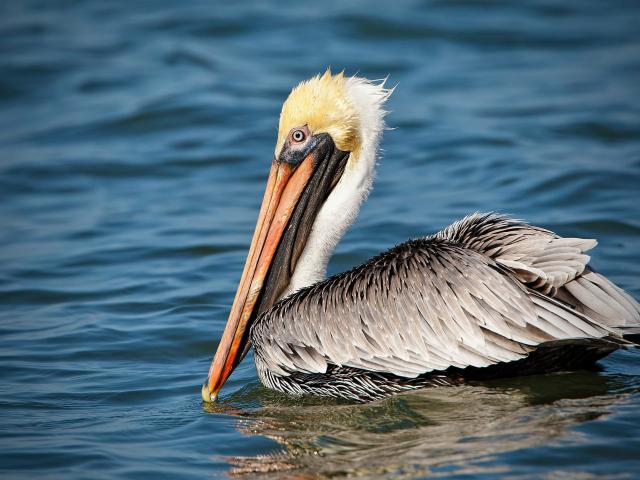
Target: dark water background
column 135, row 138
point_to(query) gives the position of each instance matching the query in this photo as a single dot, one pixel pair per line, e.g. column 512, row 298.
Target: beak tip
column 206, row 396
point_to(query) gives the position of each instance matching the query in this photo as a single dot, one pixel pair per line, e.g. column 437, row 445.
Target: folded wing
column 478, row 293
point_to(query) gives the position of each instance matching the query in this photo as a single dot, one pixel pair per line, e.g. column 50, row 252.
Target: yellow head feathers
column 323, row 104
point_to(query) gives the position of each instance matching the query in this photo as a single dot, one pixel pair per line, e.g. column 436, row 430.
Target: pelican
column 486, row 297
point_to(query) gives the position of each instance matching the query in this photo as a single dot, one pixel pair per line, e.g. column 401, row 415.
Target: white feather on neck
column 343, row 204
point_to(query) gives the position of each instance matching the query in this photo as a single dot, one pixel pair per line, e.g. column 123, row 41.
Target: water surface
column 136, row 138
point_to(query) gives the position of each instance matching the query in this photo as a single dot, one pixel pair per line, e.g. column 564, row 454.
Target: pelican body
column 486, row 297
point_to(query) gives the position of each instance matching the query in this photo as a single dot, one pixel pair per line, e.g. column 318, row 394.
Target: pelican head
column 322, row 171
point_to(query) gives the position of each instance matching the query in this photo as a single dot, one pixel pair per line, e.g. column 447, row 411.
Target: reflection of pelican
column 487, row 296
column 421, row 432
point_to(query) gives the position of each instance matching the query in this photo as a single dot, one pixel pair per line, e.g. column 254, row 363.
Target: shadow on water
column 438, row 431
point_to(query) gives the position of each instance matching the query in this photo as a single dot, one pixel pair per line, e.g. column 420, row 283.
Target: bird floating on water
column 486, row 297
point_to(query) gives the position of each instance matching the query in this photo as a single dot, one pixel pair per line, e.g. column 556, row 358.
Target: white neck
column 343, row 204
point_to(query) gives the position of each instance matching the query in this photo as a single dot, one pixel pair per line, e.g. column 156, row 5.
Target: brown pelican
column 487, row 296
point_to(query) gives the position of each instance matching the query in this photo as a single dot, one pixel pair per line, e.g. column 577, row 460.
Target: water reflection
column 429, row 432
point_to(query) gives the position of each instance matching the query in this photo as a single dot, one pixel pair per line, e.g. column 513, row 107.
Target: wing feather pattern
column 538, row 257
column 550, row 264
column 476, row 294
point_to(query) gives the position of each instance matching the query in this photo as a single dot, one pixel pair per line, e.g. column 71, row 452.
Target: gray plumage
column 487, row 296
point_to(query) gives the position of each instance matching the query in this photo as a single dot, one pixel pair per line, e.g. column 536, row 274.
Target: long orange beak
column 284, row 188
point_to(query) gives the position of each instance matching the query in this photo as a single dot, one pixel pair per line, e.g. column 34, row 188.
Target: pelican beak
column 298, row 185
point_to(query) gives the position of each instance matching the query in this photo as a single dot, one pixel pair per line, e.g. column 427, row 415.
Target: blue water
column 135, row 140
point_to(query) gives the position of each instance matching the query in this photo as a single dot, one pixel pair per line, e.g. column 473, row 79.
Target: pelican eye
column 298, row 135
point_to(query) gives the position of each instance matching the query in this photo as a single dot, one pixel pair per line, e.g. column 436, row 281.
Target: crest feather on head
column 322, row 104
